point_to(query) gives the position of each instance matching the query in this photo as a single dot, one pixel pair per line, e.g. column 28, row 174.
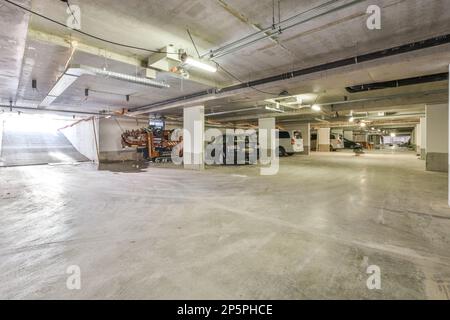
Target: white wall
column 418, row 135
column 437, row 128
column 84, row 137
column 423, row 133
column 111, row 130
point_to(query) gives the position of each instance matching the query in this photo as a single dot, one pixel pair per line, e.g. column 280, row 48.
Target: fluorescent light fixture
column 47, row 101
column 381, row 114
column 64, row 82
column 393, row 135
column 316, row 107
column 275, row 109
column 200, row 65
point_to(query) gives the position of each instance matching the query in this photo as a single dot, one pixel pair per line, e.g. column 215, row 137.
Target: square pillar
column 266, row 127
column 437, row 123
column 193, row 138
column 418, row 138
column 323, row 138
column 423, row 138
column 306, row 134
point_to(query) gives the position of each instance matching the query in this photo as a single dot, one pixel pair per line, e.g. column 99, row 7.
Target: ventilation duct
column 73, row 72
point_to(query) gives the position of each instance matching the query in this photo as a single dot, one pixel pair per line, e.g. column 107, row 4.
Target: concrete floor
column 227, row 232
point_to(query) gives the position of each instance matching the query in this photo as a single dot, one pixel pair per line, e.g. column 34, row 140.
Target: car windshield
column 284, row 135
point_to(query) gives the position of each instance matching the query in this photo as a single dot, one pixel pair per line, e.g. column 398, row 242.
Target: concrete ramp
column 22, row 146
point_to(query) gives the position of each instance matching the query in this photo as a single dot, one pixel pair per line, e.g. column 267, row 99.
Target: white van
column 291, row 142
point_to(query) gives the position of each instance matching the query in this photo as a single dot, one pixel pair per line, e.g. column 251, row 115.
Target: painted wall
column 437, row 128
column 418, row 136
column 437, row 137
column 84, row 137
column 110, row 141
column 323, row 136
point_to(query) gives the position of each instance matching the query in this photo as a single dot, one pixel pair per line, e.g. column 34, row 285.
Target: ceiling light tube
column 316, row 107
column 47, row 101
column 274, row 109
column 200, row 65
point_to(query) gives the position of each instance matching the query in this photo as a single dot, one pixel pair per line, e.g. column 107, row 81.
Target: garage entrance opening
column 34, row 140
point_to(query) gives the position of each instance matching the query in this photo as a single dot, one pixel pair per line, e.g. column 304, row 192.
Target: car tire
column 281, row 152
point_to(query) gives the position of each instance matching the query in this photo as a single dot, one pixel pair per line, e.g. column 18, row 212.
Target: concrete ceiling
column 13, row 26
column 155, row 24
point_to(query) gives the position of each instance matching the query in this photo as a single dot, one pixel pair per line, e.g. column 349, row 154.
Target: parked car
column 234, row 149
column 336, row 142
column 348, row 144
column 291, row 142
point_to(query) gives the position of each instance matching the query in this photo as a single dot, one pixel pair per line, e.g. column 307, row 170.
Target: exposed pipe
column 231, row 111
column 398, row 83
column 355, row 60
column 266, row 32
column 342, row 102
column 72, row 112
column 377, row 98
column 395, row 116
column 122, row 77
column 270, row 32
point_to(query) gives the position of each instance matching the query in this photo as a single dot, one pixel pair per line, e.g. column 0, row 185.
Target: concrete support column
column 194, row 138
column 266, row 127
column 423, row 138
column 323, row 138
column 306, row 133
column 437, row 123
column 418, row 138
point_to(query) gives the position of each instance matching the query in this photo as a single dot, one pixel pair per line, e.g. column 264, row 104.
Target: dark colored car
column 348, row 144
